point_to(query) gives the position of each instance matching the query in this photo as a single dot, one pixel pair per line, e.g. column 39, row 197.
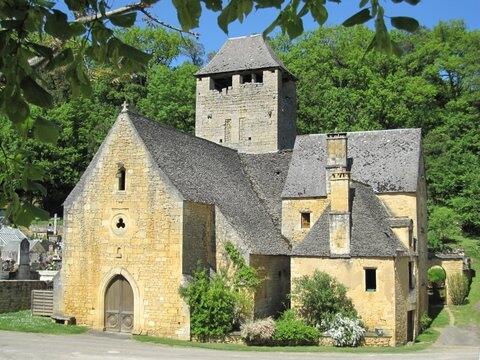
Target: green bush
column 292, row 331
column 320, row 297
column 457, row 288
column 223, row 302
column 243, row 279
column 212, row 305
column 436, row 274
column 425, row 322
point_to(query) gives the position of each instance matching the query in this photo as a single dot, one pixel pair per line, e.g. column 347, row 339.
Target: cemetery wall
column 15, row 295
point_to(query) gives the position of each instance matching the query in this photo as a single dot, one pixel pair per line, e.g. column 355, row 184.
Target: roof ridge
column 170, row 127
column 364, row 131
column 243, row 36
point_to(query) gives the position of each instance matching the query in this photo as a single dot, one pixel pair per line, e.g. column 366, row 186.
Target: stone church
column 155, row 202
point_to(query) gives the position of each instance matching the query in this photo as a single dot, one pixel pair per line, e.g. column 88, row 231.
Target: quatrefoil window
column 120, row 224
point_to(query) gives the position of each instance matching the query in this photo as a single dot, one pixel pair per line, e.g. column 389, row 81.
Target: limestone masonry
column 155, row 202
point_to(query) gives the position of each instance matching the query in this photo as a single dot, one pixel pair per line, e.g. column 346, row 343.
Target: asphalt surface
column 17, row 345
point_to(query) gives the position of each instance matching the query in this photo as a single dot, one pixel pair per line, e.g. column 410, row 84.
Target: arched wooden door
column 119, row 305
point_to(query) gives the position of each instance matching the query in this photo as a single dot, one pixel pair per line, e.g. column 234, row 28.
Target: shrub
column 211, row 304
column 259, row 332
column 243, row 279
column 425, row 322
column 223, row 301
column 320, row 297
column 457, row 288
column 436, row 274
column 292, row 331
column 345, row 331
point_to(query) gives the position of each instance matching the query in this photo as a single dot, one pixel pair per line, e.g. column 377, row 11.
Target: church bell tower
column 246, row 98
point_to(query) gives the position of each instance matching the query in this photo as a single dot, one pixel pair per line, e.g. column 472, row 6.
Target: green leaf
column 27, row 213
column 363, row 3
column 405, row 23
column 235, row 10
column 63, row 58
column 359, row 18
column 57, row 25
column 215, row 5
column 319, row 12
column 261, row 4
column 124, row 20
column 17, row 109
column 45, row 131
column 75, row 5
column 41, row 50
column 35, row 94
column 188, row 13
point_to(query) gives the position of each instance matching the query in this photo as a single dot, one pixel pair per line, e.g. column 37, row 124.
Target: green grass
column 422, row 342
column 24, row 321
column 441, row 320
column 469, row 314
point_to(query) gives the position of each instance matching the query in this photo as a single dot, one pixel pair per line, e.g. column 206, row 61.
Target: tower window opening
column 245, row 78
column 258, row 77
column 222, row 83
column 121, row 178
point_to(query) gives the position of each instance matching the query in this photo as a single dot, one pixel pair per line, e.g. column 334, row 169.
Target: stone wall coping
column 21, row 281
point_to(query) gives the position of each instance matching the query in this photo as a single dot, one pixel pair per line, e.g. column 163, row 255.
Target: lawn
column 422, row 342
column 469, row 314
column 24, row 321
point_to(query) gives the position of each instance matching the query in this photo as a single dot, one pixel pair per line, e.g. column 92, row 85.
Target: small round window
column 119, row 224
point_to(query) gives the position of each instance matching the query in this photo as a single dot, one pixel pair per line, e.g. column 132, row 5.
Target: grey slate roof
column 267, row 173
column 242, row 53
column 209, row 173
column 371, row 235
column 387, row 160
column 9, row 234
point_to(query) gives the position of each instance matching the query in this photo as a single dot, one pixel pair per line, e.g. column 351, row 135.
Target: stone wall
column 369, row 340
column 451, row 266
column 198, row 237
column 406, row 299
column 271, row 297
column 376, row 308
column 413, row 206
column 147, row 251
column 249, row 116
column 291, row 216
column 16, row 295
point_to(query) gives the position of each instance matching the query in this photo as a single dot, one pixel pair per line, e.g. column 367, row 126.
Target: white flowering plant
column 259, row 332
column 345, row 331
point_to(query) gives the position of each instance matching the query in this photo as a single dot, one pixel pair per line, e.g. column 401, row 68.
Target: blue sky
column 428, row 12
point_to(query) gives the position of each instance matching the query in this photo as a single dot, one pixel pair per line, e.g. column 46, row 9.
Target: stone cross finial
column 125, row 106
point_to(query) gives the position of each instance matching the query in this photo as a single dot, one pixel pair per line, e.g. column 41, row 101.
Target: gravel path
column 27, row 346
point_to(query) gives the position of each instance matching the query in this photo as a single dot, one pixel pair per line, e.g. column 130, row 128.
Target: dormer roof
column 241, row 54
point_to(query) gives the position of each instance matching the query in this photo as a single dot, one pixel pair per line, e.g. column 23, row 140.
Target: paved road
column 16, row 345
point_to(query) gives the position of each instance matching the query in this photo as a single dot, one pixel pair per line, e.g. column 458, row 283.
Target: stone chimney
column 338, row 189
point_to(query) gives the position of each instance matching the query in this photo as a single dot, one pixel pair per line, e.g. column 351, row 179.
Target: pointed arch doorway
column 119, row 305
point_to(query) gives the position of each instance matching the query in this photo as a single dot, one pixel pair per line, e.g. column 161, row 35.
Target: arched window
column 121, row 178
